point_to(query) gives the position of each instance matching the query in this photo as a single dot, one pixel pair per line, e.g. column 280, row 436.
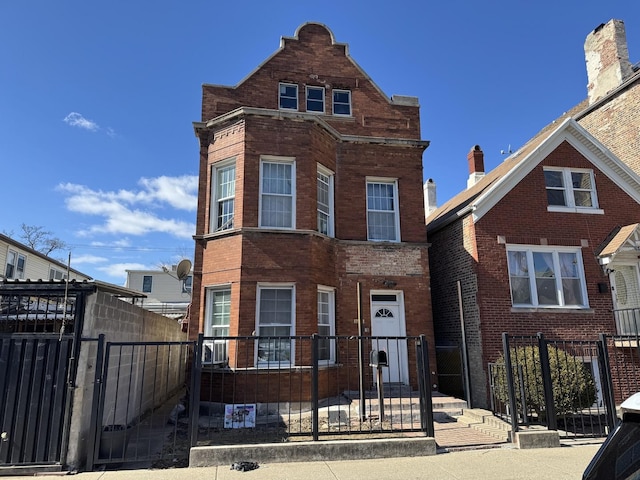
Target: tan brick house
column 310, row 185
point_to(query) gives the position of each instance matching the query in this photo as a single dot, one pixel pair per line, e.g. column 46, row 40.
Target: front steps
column 485, row 422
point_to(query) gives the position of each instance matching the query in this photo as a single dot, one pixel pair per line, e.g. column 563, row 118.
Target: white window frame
column 216, row 200
column 216, row 351
column 372, row 211
column 285, row 161
column 261, row 287
column 310, row 88
column 328, row 180
column 334, row 103
column 531, row 276
column 16, row 273
column 569, row 191
column 281, row 96
column 57, row 274
column 327, row 319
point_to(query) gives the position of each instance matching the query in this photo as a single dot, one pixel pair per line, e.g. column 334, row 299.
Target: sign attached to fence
column 239, row 416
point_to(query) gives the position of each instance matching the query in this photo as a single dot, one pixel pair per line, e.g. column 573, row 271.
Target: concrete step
column 485, row 422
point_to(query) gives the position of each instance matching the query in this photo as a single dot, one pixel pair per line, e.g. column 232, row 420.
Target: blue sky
column 97, row 99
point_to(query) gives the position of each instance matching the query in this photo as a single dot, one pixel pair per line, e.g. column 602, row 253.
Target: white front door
column 387, row 320
column 625, row 287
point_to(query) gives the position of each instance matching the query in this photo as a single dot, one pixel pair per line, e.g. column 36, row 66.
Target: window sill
column 562, row 310
column 559, row 209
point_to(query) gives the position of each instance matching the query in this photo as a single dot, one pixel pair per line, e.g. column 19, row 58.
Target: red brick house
column 310, row 185
column 529, row 247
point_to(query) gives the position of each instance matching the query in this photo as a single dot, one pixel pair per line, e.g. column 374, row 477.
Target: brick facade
column 380, row 140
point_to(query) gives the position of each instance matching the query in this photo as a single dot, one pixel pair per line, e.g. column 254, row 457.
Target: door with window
column 387, row 320
column 625, row 287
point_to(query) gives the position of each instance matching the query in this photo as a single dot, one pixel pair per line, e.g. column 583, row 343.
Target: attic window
column 288, row 96
column 315, row 99
column 571, row 190
column 342, row 102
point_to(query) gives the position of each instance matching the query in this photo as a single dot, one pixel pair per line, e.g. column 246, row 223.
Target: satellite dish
column 183, row 269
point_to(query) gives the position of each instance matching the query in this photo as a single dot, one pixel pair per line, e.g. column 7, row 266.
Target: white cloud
column 75, row 119
column 132, row 212
column 118, row 270
column 87, row 259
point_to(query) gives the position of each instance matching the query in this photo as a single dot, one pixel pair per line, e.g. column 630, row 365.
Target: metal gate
column 34, row 400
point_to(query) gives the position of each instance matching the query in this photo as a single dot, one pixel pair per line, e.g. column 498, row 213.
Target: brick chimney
column 476, row 165
column 430, row 201
column 607, row 57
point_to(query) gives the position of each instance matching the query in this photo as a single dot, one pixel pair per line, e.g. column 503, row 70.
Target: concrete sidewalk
column 562, row 463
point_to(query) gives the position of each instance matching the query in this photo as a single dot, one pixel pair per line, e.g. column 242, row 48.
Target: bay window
column 275, row 323
column 277, row 193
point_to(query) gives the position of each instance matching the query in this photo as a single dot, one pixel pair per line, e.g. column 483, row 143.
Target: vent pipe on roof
column 607, row 58
column 476, row 165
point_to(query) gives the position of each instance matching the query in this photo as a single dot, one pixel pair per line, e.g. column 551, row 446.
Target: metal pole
column 606, row 383
column 427, row 383
column 510, row 386
column 314, row 386
column 465, row 357
column 552, row 423
column 361, row 361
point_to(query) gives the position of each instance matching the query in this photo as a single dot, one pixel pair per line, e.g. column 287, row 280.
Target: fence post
column 314, row 386
column 545, row 368
column 606, row 381
column 194, row 400
column 510, row 386
column 92, row 447
column 424, row 382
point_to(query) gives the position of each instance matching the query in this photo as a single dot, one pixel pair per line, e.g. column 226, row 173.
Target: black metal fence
column 274, row 389
column 563, row 385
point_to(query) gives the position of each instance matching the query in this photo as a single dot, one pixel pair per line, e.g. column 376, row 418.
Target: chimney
column 476, row 165
column 430, row 202
column 607, row 57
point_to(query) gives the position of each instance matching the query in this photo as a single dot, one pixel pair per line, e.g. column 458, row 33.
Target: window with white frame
column 570, row 189
column 383, row 223
column 16, row 263
column 326, row 324
column 546, row 276
column 147, row 283
column 217, row 319
column 288, row 96
column 342, row 102
column 315, row 99
column 277, row 193
column 325, row 201
column 275, row 323
column 55, row 274
column 223, row 185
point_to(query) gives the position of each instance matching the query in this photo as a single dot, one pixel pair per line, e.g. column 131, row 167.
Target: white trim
column 333, row 104
column 331, row 291
column 580, row 139
column 285, row 160
column 570, row 192
column 328, row 173
column 533, row 291
column 213, row 202
column 306, row 99
column 396, row 210
column 276, row 286
column 214, row 345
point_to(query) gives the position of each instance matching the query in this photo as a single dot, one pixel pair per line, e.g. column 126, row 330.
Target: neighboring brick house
column 310, row 185
column 528, row 247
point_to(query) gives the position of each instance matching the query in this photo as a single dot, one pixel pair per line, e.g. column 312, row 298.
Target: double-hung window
column 147, row 282
column 277, row 193
column 218, row 315
column 275, row 323
column 55, row 274
column 288, row 96
column 15, row 265
column 223, row 183
column 383, row 223
column 325, row 201
column 546, row 276
column 570, row 189
column 315, row 99
column 342, row 102
column 326, row 324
